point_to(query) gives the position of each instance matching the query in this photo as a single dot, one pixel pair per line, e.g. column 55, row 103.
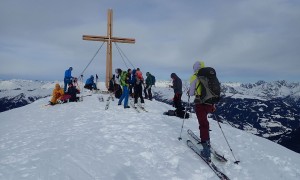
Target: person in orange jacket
column 57, row 93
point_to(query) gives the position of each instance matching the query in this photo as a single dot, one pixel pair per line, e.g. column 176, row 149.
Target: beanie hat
column 173, row 75
column 197, row 65
column 133, row 72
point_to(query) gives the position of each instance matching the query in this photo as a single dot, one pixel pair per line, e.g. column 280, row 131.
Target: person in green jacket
column 124, row 81
column 149, row 83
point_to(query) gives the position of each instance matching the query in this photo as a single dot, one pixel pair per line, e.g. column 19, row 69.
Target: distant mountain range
column 266, row 109
column 270, row 110
column 17, row 93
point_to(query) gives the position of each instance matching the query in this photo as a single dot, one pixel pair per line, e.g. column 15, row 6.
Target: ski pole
column 179, row 138
column 236, row 161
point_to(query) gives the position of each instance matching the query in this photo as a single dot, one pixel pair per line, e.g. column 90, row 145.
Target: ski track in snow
column 84, row 141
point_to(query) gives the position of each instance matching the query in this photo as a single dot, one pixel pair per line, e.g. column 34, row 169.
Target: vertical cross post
column 109, row 39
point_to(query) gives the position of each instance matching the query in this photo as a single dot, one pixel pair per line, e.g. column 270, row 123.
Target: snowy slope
column 83, row 141
column 269, row 110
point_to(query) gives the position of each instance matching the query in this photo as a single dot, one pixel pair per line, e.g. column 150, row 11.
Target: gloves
column 214, row 108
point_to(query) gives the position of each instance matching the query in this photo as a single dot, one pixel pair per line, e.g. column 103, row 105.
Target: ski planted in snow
column 107, row 103
column 214, row 152
column 216, row 170
column 100, row 98
column 112, row 97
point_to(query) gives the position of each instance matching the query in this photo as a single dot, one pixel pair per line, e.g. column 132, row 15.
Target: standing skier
column 201, row 110
column 130, row 87
column 124, row 81
column 177, row 86
column 149, row 82
column 68, row 78
column 137, row 81
column 117, row 86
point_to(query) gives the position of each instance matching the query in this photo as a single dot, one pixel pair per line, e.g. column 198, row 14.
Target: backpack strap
column 195, row 74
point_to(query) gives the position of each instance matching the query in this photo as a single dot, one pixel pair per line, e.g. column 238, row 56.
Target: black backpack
column 111, row 85
column 210, row 85
column 153, row 80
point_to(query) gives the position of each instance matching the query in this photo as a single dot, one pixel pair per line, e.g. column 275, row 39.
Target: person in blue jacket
column 89, row 84
column 68, row 78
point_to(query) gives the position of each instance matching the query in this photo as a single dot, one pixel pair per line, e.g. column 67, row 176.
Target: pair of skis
column 101, row 99
column 138, row 108
column 216, row 170
column 217, row 155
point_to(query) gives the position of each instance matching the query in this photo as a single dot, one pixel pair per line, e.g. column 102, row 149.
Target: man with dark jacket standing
column 149, row 82
column 177, row 86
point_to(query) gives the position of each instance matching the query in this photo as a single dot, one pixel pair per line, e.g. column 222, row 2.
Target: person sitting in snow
column 57, row 94
column 89, row 84
column 72, row 91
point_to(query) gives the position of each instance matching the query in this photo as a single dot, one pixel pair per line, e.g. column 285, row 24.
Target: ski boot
column 205, row 153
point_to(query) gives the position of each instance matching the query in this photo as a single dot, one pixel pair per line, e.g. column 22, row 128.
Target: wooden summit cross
column 109, row 39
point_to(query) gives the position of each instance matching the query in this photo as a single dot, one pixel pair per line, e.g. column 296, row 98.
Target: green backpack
column 123, row 80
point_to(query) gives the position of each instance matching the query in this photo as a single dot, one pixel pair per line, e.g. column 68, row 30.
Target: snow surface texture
column 81, row 140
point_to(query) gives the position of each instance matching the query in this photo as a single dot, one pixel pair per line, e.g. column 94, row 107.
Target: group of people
column 70, row 91
column 66, row 94
column 132, row 82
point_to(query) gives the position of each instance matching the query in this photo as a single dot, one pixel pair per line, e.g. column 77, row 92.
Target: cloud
column 243, row 40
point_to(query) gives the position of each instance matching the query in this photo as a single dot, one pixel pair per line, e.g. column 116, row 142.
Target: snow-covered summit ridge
column 84, row 141
column 264, row 109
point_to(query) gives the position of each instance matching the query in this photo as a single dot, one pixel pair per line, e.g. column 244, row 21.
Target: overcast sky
column 244, row 40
